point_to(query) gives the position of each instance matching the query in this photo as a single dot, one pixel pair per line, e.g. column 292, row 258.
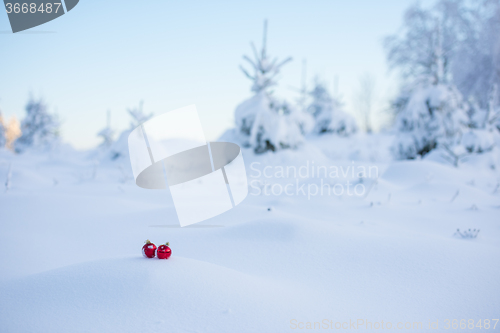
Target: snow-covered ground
column 72, row 228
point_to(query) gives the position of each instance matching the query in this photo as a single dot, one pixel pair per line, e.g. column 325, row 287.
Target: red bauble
column 164, row 252
column 149, row 249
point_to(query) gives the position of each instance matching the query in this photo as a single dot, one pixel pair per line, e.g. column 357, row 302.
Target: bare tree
column 424, row 46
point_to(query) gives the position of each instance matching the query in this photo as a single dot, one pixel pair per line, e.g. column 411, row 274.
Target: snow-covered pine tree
column 39, row 128
column 434, row 115
column 328, row 114
column 263, row 122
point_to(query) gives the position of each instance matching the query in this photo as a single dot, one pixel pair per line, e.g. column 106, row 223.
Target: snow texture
column 72, row 229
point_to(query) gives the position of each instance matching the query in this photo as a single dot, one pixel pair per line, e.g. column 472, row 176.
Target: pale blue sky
column 112, row 54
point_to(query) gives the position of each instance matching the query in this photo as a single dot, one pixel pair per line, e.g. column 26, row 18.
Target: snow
column 334, row 233
column 72, row 226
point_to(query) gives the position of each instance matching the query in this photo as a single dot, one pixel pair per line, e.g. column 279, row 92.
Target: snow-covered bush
column 39, row 128
column 328, row 114
column 263, row 122
column 434, row 115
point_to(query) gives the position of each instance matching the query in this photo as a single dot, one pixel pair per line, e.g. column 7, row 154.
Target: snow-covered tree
column 465, row 52
column 328, row 114
column 263, row 122
column 435, row 115
column 432, row 112
column 39, row 128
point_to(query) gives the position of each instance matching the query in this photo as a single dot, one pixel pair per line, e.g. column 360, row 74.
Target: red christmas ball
column 164, row 252
column 149, row 249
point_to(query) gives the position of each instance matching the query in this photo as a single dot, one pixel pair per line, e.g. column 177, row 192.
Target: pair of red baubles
column 149, row 250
